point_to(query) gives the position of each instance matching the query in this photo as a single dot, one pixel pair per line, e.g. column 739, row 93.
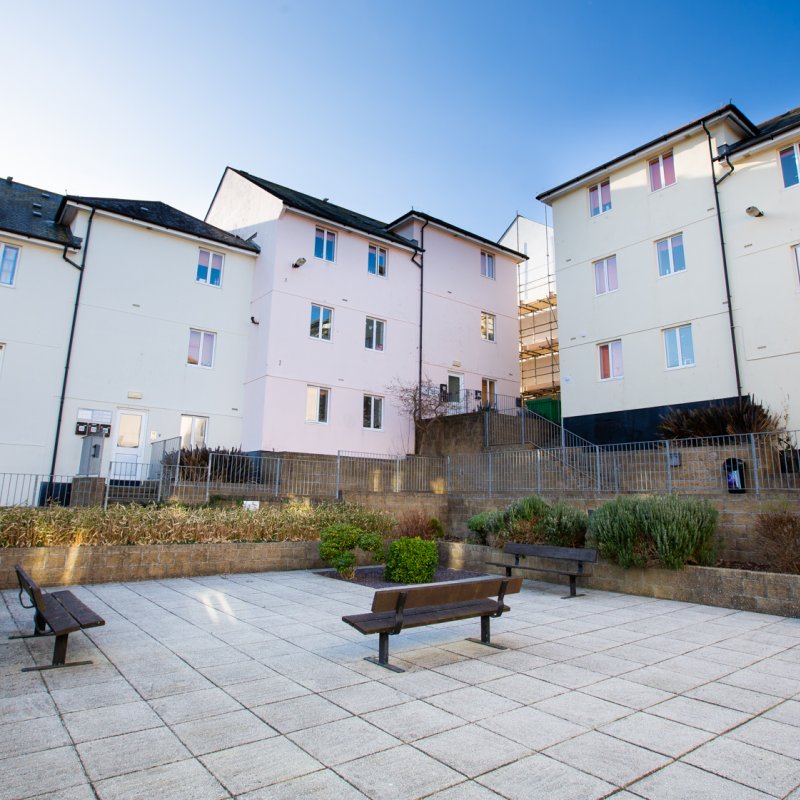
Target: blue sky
column 465, row 110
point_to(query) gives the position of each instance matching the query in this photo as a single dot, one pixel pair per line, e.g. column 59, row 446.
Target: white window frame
column 487, row 265
column 796, row 252
column 2, row 353
column 201, row 347
column 488, row 326
column 795, row 148
column 376, row 324
column 600, row 205
column 659, row 159
column 327, row 235
column 374, row 402
column 314, row 395
column 319, row 336
column 602, row 266
column 670, row 240
column 675, row 331
column 211, row 255
column 194, row 421
column 379, row 272
column 614, row 348
column 488, row 393
column 3, row 247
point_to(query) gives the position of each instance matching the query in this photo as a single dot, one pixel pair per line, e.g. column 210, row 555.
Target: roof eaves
column 728, row 110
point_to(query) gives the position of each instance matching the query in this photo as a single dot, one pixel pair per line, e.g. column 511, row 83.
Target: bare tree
column 422, row 403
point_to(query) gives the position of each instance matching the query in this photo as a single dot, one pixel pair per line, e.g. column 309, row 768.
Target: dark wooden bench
column 61, row 612
column 574, row 562
column 430, row 603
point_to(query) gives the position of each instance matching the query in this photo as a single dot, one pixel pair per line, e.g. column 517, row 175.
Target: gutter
column 81, row 269
column 725, row 259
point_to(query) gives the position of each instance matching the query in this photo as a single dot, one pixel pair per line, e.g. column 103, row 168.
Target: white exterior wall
column 765, row 285
column 139, row 301
column 645, row 304
column 35, row 316
column 535, row 240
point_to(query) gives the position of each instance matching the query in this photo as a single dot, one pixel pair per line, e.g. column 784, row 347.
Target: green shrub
column 411, row 560
column 338, row 544
column 778, row 526
column 666, row 530
column 487, row 522
column 564, row 525
column 720, row 419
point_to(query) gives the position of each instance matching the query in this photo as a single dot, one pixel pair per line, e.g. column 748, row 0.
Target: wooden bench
column 573, row 561
column 430, row 603
column 62, row 612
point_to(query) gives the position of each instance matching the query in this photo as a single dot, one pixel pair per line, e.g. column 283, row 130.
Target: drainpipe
column 725, row 261
column 421, row 286
column 80, row 268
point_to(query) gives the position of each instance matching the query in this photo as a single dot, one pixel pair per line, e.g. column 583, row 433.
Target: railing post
column 447, row 484
column 108, row 485
column 669, row 470
column 397, row 475
column 208, row 478
column 490, row 466
column 278, row 462
column 486, row 432
column 338, row 474
column 597, row 464
column 522, row 417
column 753, row 455
column 538, row 471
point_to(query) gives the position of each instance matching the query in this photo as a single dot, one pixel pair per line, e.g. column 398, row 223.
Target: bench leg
column 486, row 635
column 572, row 588
column 59, row 657
column 383, row 654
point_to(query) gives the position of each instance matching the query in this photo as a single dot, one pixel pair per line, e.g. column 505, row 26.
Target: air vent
column 45, row 195
column 37, row 213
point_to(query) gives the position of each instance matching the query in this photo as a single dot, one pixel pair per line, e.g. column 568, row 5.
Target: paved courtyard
column 251, row 687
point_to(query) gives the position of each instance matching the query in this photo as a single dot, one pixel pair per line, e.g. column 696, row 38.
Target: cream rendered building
column 677, row 267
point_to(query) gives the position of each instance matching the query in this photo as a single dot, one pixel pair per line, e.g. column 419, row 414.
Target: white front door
column 455, row 393
column 129, row 444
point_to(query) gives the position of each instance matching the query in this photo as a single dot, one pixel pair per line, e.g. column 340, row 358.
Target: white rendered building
column 349, row 308
column 678, row 282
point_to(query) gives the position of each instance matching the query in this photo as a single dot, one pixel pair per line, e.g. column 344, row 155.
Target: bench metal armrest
column 398, row 612
column 500, row 597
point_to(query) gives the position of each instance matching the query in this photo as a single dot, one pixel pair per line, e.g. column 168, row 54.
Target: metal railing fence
column 749, row 462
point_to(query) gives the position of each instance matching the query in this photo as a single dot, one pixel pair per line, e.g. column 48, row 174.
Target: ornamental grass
column 173, row 524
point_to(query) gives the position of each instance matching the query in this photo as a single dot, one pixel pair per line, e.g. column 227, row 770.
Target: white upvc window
column 662, row 171
column 321, row 322
column 209, row 267
column 610, row 355
column 193, row 431
column 796, row 253
column 600, row 198
column 374, row 334
column 488, row 392
column 487, row 265
column 678, row 347
column 605, row 275
column 671, row 257
column 201, row 348
column 790, row 158
column 487, row 326
column 373, row 412
column 9, row 256
column 376, row 261
column 317, row 398
column 325, row 244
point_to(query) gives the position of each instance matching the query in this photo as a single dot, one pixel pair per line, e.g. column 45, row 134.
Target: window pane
column 377, row 412
column 671, row 345
column 194, row 348
column 369, row 334
column 186, row 432
column 323, row 405
column 453, row 387
column 599, row 278
column 669, row 169
column 789, row 167
column 594, row 201
column 372, row 261
column 200, row 431
column 381, row 262
column 366, row 418
column 319, row 243
column 662, row 248
column 678, row 260
column 616, row 359
column 327, row 315
column 208, row 349
column 378, row 335
column 330, row 245
column 605, row 195
column 312, row 404
column 130, row 428
column 687, row 346
column 655, row 175
column 605, row 363
column 8, row 265
column 314, row 329
column 611, row 273
column 216, row 269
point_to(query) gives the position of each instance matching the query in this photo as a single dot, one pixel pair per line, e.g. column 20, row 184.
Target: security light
column 754, row 211
column 301, row 261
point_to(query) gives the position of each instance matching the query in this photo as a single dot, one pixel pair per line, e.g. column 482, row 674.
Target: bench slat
column 535, row 568
column 445, row 593
column 584, row 554
column 83, row 615
column 57, row 617
column 377, row 623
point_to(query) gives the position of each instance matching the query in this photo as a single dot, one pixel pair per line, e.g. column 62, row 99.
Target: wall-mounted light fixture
column 753, row 211
column 298, row 263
